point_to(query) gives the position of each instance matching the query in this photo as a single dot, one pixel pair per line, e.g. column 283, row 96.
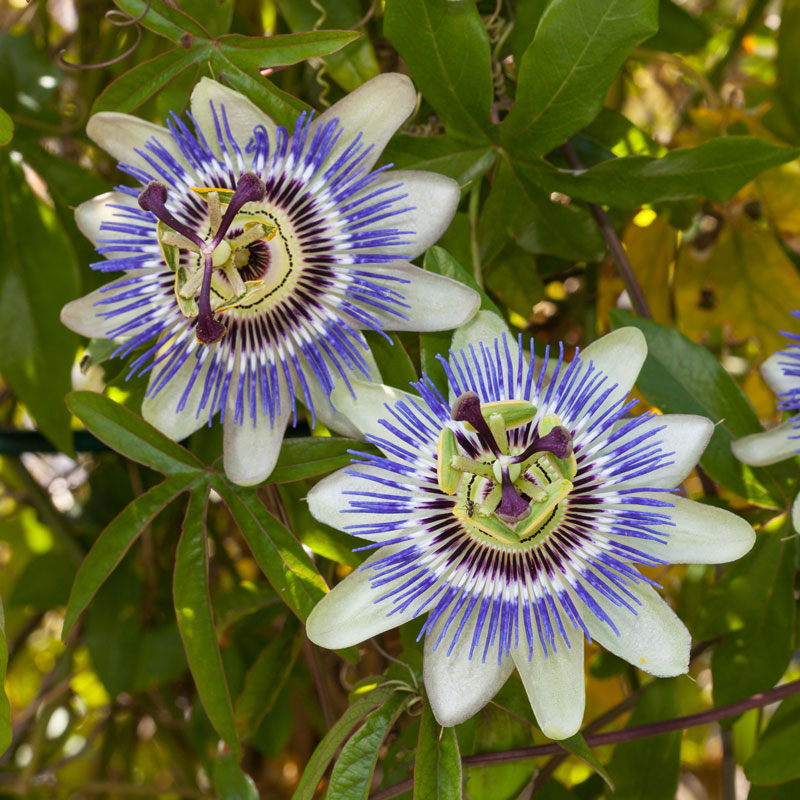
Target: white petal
column 242, row 114
column 348, row 614
column 459, row 687
column 162, row 412
column 436, row 303
column 701, row 534
column 653, row 639
column 427, row 210
column 773, row 373
column 376, row 109
column 555, row 685
column 90, row 215
column 324, row 409
column 796, row 513
column 763, row 449
column 369, row 405
column 686, row 436
column 619, row 355
column 120, row 134
column 329, row 500
column 250, row 449
column 81, row 315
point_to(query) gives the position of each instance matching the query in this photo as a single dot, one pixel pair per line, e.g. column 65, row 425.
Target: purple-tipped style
column 253, row 257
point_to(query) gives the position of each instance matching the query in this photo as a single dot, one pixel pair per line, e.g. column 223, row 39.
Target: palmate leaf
column 234, row 58
column 195, row 619
column 566, row 70
column 446, row 47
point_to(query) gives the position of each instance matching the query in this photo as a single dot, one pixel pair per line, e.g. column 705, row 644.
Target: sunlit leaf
column 6, row 128
column 196, row 622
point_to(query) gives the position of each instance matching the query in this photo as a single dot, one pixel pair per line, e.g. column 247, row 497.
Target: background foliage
column 152, row 640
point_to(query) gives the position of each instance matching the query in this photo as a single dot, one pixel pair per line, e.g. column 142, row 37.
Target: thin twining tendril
column 118, row 19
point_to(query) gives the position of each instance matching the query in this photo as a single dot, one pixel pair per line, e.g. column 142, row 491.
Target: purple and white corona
column 254, row 256
column 515, row 513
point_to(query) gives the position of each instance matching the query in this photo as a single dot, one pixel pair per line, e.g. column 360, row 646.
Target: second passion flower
column 254, row 256
column 515, row 514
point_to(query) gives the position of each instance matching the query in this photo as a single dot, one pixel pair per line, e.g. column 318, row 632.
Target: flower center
column 229, row 257
column 511, row 492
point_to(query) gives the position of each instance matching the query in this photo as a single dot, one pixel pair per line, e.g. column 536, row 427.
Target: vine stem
column 615, row 737
column 615, row 247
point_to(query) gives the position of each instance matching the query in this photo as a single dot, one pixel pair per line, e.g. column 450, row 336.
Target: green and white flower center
column 514, row 493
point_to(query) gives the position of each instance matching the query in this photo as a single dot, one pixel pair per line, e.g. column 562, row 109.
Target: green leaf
column 459, row 160
column 351, row 66
column 437, row 766
column 788, row 60
column 716, row 169
column 160, row 657
column 333, row 740
column 684, row 378
column 281, row 558
column 164, row 19
column 6, row 128
column 214, row 15
column 649, row 768
column 140, row 83
column 446, row 47
column 394, row 363
column 566, row 70
column 230, row 783
column 775, row 759
column 529, row 14
column 519, row 209
column 786, row 791
column 44, row 582
column 514, row 279
column 352, row 772
column 576, row 745
column 253, row 53
column 438, row 260
column 5, row 708
column 36, row 351
column 281, row 106
column 195, row 619
column 754, row 601
column 678, row 30
column 266, row 679
column 116, row 540
column 310, row 456
column 129, row 434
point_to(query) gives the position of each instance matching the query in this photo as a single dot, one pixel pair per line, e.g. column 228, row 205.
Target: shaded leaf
column 678, row 30
column 775, row 760
column 230, row 782
column 36, row 351
column 564, row 74
column 309, row 456
column 393, row 361
column 266, row 679
column 195, row 619
column 116, row 540
column 649, row 768
column 681, row 377
column 352, row 772
column 576, row 745
column 283, row 561
column 163, row 18
column 44, row 583
column 438, row 260
column 333, row 740
column 446, row 47
column 716, row 169
column 462, row 161
column 518, row 208
column 437, row 766
column 129, row 434
column 5, row 709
